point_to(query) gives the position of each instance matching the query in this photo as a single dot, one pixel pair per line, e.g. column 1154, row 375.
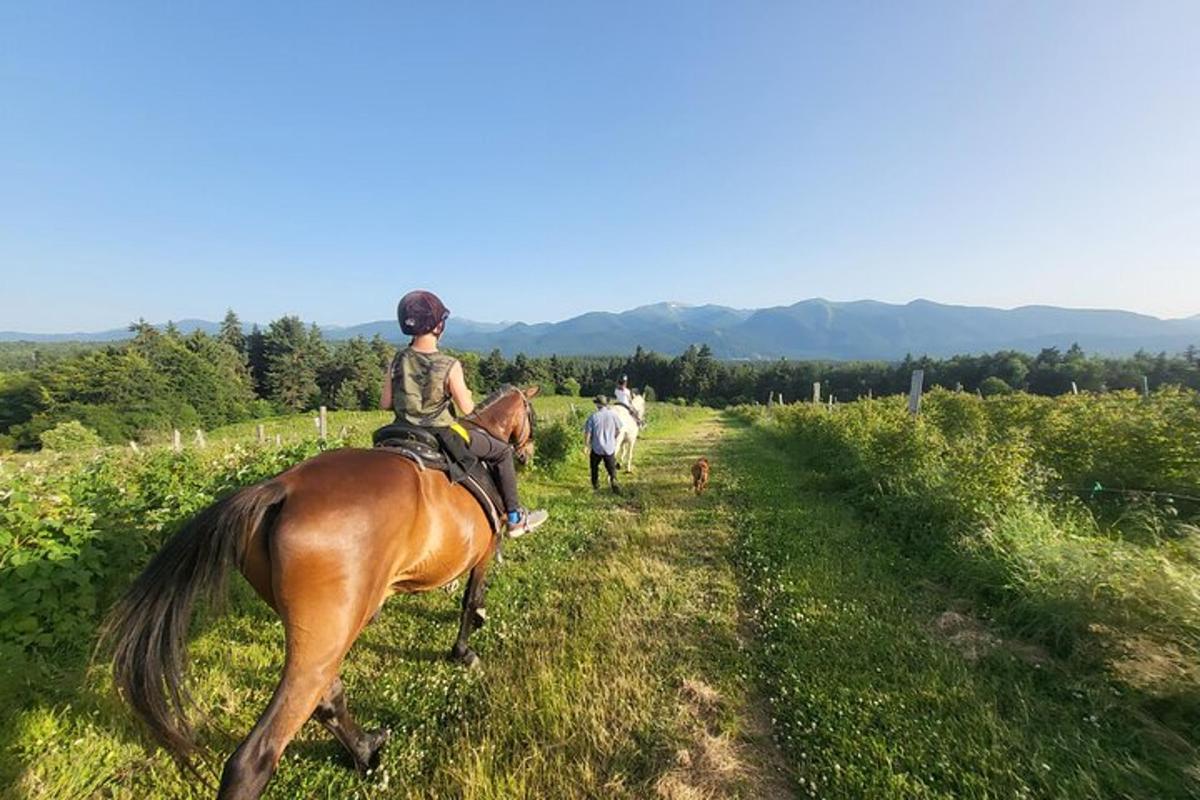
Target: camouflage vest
column 419, row 394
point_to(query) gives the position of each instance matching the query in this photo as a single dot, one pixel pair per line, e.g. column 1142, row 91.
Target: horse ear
column 531, row 391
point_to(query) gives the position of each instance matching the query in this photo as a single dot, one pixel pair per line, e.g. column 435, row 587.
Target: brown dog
column 700, row 475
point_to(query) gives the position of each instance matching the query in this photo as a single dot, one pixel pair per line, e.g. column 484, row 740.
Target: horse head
column 508, row 414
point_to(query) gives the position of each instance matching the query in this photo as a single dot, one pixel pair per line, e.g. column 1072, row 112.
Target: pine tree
column 256, row 358
column 294, row 356
column 231, row 332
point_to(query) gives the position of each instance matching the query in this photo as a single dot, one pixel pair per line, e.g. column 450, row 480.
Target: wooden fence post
column 781, row 399
column 260, row 432
column 1145, row 387
column 770, row 398
column 176, row 442
column 133, row 446
column 914, row 391
column 831, row 401
column 200, row 438
column 816, row 392
column 322, row 423
column 279, row 440
column 1074, row 388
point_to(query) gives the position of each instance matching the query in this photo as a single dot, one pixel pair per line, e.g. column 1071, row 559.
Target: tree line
column 160, row 380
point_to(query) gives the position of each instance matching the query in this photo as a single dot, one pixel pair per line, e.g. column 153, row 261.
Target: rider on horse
column 420, row 385
column 624, row 397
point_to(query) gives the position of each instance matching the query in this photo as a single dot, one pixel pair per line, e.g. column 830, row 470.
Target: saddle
column 443, row 450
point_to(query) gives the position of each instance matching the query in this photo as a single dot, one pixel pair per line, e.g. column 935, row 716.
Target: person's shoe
column 616, row 487
column 522, row 522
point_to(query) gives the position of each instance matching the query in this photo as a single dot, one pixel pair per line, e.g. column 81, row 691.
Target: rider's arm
column 458, row 389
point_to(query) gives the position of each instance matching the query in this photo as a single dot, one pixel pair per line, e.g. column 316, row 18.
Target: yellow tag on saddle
column 461, row 431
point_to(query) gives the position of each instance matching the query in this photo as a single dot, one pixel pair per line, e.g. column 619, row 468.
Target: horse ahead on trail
column 630, row 427
column 324, row 544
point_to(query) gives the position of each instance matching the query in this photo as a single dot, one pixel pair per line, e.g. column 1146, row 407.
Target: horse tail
column 147, row 629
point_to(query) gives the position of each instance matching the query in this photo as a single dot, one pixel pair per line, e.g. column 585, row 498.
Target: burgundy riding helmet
column 421, row 312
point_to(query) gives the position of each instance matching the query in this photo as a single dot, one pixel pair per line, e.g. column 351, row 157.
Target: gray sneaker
column 529, row 520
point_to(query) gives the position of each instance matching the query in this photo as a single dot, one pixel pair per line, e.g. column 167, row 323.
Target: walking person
column 600, row 434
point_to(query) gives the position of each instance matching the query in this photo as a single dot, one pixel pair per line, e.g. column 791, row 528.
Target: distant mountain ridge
column 816, row 328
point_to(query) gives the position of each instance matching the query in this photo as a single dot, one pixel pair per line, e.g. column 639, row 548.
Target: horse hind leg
column 251, row 766
column 316, row 644
column 333, row 713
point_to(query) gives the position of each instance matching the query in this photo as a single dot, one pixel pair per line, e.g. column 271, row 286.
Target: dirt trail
column 727, row 750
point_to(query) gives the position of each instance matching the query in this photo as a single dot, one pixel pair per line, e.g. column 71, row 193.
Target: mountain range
column 814, row 329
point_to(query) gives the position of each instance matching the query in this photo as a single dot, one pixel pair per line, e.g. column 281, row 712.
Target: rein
column 530, row 415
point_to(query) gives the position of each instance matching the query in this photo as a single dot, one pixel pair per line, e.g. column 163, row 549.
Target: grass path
column 614, row 665
column 636, row 683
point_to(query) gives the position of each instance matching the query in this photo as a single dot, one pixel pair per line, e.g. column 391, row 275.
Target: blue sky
column 534, row 161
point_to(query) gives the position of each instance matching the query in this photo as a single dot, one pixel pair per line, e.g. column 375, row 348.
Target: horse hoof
column 375, row 741
column 468, row 659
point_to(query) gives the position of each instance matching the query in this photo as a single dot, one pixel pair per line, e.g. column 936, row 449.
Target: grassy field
column 763, row 640
column 886, row 681
column 613, row 667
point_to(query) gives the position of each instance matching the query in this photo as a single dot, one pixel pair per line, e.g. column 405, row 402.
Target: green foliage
column 1001, row 493
column 569, row 387
column 552, row 444
column 21, row 397
column 293, row 356
column 72, row 531
column 70, row 436
column 992, row 386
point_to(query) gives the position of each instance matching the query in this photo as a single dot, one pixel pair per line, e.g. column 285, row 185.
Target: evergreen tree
column 231, row 332
column 491, row 371
column 256, row 359
column 293, row 360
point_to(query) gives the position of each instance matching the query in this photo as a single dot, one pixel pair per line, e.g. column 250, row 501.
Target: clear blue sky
column 533, row 161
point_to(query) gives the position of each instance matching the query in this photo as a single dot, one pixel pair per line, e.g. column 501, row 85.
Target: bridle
column 521, row 449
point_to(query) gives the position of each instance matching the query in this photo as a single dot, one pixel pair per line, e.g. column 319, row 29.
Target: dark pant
column 610, row 466
column 499, row 457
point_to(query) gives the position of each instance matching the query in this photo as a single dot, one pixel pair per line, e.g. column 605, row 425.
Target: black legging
column 499, row 456
column 610, row 466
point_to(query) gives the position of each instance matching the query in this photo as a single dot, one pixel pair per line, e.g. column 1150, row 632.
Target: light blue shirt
column 605, row 427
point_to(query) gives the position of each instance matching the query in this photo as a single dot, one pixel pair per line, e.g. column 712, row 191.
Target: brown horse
column 324, row 544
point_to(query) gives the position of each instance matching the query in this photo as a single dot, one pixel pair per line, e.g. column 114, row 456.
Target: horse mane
column 499, row 393
column 496, row 394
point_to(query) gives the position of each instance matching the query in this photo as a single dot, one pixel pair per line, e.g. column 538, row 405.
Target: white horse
column 627, row 438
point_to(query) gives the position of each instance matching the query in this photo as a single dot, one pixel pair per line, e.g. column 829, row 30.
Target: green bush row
column 999, row 494
column 74, row 528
